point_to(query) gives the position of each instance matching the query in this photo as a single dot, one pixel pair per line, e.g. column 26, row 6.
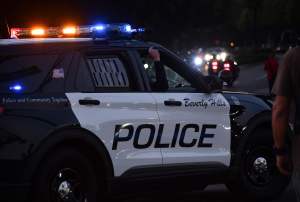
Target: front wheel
column 258, row 176
column 66, row 175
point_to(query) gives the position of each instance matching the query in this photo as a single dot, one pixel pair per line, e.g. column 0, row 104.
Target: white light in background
column 198, row 61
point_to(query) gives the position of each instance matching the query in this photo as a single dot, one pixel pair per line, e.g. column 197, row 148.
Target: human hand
column 154, row 54
column 284, row 164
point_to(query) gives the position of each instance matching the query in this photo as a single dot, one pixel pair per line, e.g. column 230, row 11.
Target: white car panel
column 126, row 109
column 198, row 109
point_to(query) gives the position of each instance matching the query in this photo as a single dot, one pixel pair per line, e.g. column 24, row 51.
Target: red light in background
column 215, row 63
column 227, row 67
column 1, row 110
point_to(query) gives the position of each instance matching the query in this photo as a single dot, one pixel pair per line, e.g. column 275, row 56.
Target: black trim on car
column 172, row 177
column 174, row 170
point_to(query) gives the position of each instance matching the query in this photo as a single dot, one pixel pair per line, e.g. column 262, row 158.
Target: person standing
column 271, row 68
column 286, row 110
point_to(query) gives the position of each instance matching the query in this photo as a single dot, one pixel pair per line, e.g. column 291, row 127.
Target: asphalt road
column 252, row 79
column 214, row 193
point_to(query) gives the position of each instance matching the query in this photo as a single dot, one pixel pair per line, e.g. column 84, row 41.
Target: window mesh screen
column 108, row 72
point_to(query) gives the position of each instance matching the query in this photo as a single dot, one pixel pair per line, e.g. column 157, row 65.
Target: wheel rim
column 67, row 186
column 260, row 166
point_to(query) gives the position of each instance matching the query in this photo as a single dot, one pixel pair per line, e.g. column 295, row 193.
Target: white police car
column 81, row 118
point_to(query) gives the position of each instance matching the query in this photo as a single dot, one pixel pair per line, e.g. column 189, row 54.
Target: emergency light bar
column 120, row 30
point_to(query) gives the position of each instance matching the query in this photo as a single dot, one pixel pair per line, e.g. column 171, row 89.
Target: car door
column 196, row 125
column 111, row 105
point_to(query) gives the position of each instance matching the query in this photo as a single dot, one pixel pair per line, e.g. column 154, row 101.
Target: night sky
column 137, row 11
column 175, row 23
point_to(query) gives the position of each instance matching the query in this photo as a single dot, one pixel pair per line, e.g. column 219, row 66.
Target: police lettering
column 148, row 132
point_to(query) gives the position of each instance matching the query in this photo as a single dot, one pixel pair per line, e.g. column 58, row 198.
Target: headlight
column 219, row 57
column 208, row 57
column 223, row 56
column 198, row 61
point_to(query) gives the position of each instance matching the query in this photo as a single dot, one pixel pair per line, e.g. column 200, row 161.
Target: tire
column 65, row 175
column 258, row 182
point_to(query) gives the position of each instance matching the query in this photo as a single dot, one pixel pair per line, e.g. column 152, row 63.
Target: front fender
column 263, row 119
column 247, row 112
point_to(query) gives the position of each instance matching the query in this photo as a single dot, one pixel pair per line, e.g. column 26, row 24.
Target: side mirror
column 214, row 83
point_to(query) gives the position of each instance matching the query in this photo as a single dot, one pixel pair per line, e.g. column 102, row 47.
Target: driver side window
column 175, row 82
column 174, row 79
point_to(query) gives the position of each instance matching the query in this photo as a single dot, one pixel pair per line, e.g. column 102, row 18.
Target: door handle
column 89, row 102
column 173, row 103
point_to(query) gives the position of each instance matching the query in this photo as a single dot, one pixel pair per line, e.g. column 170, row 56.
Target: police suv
column 84, row 118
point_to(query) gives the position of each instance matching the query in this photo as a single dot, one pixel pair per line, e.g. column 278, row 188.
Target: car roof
column 82, row 41
column 13, row 46
column 6, row 42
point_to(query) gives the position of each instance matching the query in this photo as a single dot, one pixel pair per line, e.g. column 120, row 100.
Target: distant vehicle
column 217, row 53
column 201, row 58
column 227, row 70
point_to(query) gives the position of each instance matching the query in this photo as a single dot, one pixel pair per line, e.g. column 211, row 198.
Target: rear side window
column 24, row 73
column 108, row 72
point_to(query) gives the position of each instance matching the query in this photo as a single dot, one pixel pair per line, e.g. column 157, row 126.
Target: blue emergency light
column 98, row 28
column 16, row 88
column 119, row 31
